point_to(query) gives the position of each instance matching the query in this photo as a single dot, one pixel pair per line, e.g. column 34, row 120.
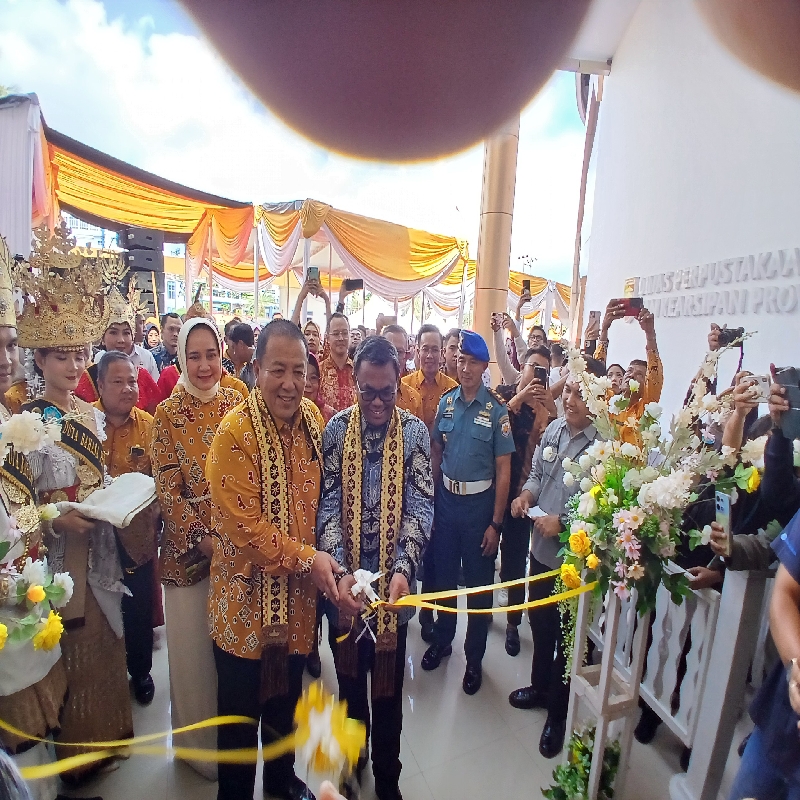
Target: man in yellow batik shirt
column 264, row 471
column 428, row 380
column 643, row 380
column 127, row 449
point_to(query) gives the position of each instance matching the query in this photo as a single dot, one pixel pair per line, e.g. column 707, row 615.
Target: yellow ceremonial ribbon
column 425, row 599
column 104, row 750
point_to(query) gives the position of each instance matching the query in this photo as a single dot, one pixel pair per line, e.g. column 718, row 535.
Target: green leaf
column 55, row 593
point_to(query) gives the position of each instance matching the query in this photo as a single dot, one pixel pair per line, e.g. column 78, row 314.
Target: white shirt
column 140, row 358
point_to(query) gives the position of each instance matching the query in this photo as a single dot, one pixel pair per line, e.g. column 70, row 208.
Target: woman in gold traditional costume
column 183, row 429
column 33, row 683
column 61, row 313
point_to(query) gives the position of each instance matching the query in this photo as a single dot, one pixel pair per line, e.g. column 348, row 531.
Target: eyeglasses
column 430, row 351
column 340, row 335
column 386, row 395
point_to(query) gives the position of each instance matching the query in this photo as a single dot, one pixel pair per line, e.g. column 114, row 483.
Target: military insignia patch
column 505, row 426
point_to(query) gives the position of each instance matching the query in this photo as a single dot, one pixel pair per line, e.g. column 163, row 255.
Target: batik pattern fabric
column 239, row 479
column 127, row 449
column 431, row 393
column 416, row 515
column 183, row 430
column 337, row 387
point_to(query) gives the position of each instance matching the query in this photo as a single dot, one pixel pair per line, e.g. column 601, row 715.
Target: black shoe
column 144, row 690
column 473, row 677
column 552, row 739
column 434, row 655
column 297, row 791
column 686, row 755
column 528, row 698
column 512, row 640
column 645, row 731
column 313, row 664
column 428, row 632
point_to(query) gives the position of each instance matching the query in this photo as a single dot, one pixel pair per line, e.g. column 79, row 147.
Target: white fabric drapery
column 545, row 301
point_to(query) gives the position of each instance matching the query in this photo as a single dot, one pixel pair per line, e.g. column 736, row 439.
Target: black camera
column 727, row 336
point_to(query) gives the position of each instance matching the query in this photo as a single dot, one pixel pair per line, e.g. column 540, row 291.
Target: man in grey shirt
column 566, row 437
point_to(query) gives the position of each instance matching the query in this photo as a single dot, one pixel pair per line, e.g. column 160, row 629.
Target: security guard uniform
column 472, row 436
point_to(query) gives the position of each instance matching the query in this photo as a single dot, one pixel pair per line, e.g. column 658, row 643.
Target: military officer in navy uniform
column 471, row 446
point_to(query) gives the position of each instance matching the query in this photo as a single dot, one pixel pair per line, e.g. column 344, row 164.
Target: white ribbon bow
column 362, row 585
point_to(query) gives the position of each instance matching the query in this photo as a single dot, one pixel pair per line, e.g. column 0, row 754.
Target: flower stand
column 608, row 691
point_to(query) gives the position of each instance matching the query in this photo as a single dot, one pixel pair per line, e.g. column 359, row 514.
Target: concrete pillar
column 494, row 240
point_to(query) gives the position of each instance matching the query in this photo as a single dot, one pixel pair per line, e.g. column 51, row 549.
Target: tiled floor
column 454, row 747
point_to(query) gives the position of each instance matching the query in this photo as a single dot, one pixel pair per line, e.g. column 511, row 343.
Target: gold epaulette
column 496, row 396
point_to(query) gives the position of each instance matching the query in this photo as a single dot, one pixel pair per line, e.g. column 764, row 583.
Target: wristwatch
column 498, row 526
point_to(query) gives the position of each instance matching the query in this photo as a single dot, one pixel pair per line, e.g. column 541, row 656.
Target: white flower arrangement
column 26, row 432
column 635, row 481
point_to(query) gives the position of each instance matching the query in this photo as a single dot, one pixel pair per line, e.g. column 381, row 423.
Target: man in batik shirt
column 375, row 514
column 264, row 473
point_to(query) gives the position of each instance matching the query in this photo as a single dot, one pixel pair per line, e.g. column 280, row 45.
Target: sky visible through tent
column 138, row 81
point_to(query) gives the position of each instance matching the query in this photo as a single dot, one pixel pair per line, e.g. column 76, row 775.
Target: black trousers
column 137, row 615
column 238, row 685
column 386, row 722
column 514, row 547
column 549, row 658
column 461, row 521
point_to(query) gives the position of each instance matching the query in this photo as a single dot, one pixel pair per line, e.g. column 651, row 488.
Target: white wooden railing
column 713, row 634
column 680, row 633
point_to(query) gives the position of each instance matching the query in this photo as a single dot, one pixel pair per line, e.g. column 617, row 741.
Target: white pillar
column 494, row 239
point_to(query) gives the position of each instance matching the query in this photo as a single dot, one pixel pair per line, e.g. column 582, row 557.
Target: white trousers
column 192, row 673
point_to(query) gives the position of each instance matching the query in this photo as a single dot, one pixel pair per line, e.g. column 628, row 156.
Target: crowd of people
column 287, row 461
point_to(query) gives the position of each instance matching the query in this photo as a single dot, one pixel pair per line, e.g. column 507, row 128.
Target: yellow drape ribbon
column 138, row 745
column 426, row 599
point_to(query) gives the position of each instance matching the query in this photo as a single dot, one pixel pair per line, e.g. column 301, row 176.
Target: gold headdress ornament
column 8, row 317
column 120, row 310
column 62, row 291
column 197, row 309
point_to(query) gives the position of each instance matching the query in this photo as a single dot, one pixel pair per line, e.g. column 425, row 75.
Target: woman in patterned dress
column 183, row 429
column 98, row 706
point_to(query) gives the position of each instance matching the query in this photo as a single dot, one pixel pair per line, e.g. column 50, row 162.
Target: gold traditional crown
column 8, row 318
column 63, row 302
column 197, row 309
column 121, row 310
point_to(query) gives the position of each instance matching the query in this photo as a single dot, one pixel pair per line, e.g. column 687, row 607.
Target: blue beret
column 473, row 344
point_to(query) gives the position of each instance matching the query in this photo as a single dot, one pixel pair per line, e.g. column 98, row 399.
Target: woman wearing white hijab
column 183, row 428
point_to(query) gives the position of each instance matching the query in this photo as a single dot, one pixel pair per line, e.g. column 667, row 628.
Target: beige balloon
column 764, row 34
column 396, row 80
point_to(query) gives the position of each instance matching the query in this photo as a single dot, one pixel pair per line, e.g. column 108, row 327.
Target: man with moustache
column 375, row 514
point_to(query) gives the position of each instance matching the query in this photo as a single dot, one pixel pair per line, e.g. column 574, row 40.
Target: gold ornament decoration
column 197, row 309
column 121, row 311
column 63, row 305
column 8, row 317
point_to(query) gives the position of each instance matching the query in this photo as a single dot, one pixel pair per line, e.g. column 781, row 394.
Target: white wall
column 698, row 163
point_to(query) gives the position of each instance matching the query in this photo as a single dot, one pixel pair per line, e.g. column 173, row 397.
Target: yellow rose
column 592, row 561
column 3, row 635
column 570, row 577
column 754, row 481
column 35, row 593
column 49, row 636
column 579, row 543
